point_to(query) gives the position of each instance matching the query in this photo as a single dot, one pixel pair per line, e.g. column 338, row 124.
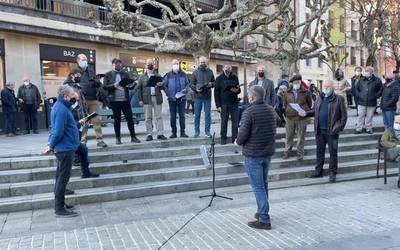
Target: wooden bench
column 105, row 114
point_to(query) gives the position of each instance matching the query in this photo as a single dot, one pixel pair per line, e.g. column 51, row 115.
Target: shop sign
column 65, row 54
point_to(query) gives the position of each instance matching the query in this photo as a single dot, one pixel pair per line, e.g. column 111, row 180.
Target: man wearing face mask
column 354, row 81
column 341, row 85
column 368, row 90
column 119, row 99
column 63, row 141
column 226, row 94
column 390, row 140
column 330, row 119
column 267, row 84
column 90, row 85
column 390, row 96
column 30, row 99
column 151, row 98
column 202, row 82
column 296, row 121
column 176, row 84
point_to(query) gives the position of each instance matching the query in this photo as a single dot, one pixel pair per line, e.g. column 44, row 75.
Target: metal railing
column 73, row 9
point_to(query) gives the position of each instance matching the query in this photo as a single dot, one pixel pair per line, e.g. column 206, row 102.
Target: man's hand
column 219, row 109
column 47, row 150
column 141, row 103
column 184, row 91
column 20, row 100
column 116, row 85
column 210, row 84
column 234, row 90
column 82, row 121
column 198, row 90
column 302, row 113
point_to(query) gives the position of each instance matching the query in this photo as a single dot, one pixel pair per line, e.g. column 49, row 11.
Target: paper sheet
column 179, row 95
column 296, row 107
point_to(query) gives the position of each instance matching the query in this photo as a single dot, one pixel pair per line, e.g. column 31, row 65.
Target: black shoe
column 317, row 174
column 101, row 144
column 173, row 136
column 118, row 141
column 70, row 207
column 26, row 132
column 369, row 132
column 134, row 139
column 259, row 225
column 332, row 178
column 183, row 135
column 223, row 141
column 66, row 213
column 357, row 132
column 149, row 138
column 69, row 191
column 90, row 175
column 35, row 132
column 161, row 137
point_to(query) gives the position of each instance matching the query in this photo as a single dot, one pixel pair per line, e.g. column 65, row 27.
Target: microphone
column 205, row 155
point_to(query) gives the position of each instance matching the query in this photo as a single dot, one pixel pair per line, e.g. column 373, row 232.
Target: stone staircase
column 154, row 168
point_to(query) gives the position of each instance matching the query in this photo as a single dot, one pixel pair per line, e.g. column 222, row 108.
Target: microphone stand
column 214, row 193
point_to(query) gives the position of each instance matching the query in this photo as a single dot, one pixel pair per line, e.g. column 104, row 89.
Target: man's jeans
column 82, row 152
column 257, row 170
column 198, row 105
column 322, row 139
column 63, row 172
column 388, row 119
column 175, row 107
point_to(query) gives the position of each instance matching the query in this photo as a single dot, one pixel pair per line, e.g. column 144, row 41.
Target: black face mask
column 118, row 67
column 203, row 66
column 77, row 79
column 72, row 101
column 261, row 74
column 150, row 67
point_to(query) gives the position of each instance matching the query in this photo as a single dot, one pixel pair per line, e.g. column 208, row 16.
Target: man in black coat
column 9, row 105
column 390, row 96
column 368, row 90
column 257, row 136
column 30, row 99
column 330, row 119
column 119, row 99
column 226, row 99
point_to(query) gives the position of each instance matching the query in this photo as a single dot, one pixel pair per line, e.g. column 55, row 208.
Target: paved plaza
column 349, row 215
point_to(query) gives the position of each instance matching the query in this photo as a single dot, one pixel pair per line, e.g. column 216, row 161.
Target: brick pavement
column 339, row 216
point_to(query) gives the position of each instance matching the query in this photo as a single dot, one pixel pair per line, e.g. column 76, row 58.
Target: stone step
column 116, row 179
column 114, row 154
column 110, row 193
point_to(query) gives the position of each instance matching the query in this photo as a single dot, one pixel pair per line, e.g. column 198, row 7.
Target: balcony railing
column 74, row 9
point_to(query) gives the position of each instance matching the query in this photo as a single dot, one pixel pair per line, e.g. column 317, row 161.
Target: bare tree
column 391, row 34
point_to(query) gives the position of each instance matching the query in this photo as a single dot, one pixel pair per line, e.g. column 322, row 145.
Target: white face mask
column 367, row 74
column 327, row 92
column 357, row 73
column 26, row 83
column 175, row 67
column 296, row 86
column 396, row 126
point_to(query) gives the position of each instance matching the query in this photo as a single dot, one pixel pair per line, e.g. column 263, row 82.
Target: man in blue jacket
column 176, row 84
column 64, row 141
column 9, row 103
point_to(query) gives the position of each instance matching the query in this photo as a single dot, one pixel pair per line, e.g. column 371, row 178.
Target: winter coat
column 303, row 99
column 222, row 93
column 200, row 78
column 368, row 90
column 268, row 85
column 174, row 83
column 390, row 96
column 8, row 100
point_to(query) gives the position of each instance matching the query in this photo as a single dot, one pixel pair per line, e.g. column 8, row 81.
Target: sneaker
column 11, row 135
column 369, row 132
column 118, row 141
column 66, row 213
column 183, row 135
column 101, row 144
column 69, row 191
column 134, row 139
column 26, row 132
column 208, row 135
column 173, row 136
column 357, row 132
column 90, row 175
column 149, row 138
column 259, row 225
column 161, row 137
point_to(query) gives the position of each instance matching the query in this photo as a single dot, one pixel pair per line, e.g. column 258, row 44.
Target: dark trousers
column 125, row 107
column 83, row 155
column 324, row 138
column 175, row 107
column 233, row 112
column 63, row 172
column 30, row 114
column 10, row 119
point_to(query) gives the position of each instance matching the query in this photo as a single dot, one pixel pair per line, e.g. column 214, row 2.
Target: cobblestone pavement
column 350, row 215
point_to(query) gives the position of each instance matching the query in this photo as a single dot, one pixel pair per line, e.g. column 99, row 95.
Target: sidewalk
column 34, row 144
column 349, row 215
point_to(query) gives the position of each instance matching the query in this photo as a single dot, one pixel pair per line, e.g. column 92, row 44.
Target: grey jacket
column 268, row 85
column 201, row 77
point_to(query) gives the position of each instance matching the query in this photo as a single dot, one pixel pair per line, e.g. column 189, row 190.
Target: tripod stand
column 213, row 193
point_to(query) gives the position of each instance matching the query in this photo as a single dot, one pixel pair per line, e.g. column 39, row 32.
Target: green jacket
column 388, row 140
column 144, row 91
